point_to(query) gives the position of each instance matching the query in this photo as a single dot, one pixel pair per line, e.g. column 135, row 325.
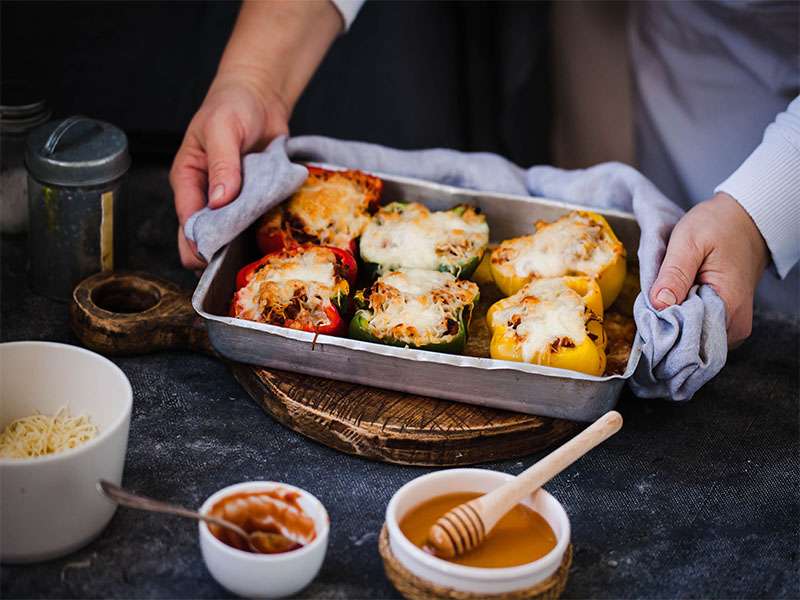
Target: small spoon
column 464, row 527
column 256, row 541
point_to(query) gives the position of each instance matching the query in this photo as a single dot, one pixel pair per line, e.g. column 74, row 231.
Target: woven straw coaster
column 414, row 588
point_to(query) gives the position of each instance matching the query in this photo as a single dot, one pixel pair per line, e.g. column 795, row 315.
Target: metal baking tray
column 521, row 387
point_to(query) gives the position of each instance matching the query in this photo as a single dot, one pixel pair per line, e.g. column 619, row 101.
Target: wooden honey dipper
column 467, row 525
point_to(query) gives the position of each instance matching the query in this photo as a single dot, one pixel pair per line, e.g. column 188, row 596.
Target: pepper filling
column 295, row 289
column 419, row 307
column 542, row 317
column 332, row 208
column 410, row 236
column 575, row 244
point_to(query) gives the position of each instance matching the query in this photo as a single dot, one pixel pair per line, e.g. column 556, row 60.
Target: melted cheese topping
column 332, row 210
column 574, row 244
column 294, row 285
column 418, row 306
column 417, row 282
column 544, row 313
column 315, row 264
column 417, row 238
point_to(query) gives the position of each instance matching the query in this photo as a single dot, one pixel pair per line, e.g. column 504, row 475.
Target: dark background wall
column 465, row 75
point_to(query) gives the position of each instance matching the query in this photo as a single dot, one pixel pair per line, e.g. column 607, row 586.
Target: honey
column 520, row 537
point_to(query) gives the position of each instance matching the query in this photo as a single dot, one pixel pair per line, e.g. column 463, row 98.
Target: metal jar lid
column 77, row 151
column 22, row 107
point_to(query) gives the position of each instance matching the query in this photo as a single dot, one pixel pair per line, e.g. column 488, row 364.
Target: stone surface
column 692, row 500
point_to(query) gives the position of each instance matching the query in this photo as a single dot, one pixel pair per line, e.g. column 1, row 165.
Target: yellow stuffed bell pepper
column 580, row 243
column 555, row 322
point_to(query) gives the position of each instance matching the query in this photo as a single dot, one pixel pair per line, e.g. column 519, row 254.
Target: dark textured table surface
column 688, row 500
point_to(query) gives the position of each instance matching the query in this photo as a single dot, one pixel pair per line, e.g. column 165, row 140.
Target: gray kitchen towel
column 268, row 178
column 683, row 346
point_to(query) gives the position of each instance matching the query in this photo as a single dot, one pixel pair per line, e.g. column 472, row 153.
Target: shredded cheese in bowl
column 41, row 435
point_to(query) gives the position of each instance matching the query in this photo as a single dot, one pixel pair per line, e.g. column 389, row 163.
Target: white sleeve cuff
column 348, row 9
column 767, row 185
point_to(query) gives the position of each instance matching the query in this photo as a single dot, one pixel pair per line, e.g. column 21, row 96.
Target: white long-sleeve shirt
column 710, row 78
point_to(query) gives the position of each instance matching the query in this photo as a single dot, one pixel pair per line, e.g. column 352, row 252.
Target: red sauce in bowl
column 276, row 513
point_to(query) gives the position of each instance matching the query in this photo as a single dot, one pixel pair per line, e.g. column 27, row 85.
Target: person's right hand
column 271, row 55
column 237, row 116
column 716, row 243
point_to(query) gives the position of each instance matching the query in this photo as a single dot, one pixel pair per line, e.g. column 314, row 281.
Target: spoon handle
column 497, row 503
column 131, row 500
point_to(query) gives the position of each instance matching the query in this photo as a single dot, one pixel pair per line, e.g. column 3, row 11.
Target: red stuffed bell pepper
column 271, row 236
column 305, row 288
column 331, row 208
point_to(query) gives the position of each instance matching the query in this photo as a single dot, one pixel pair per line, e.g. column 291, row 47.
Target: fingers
column 188, row 179
column 189, row 256
column 679, row 269
column 740, row 325
column 736, row 294
column 223, row 143
column 716, row 244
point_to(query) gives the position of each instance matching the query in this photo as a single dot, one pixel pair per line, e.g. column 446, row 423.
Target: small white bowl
column 265, row 575
column 472, row 579
column 50, row 504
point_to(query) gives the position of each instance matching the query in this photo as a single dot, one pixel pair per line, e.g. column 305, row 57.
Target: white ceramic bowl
column 472, row 579
column 50, row 505
column 265, row 575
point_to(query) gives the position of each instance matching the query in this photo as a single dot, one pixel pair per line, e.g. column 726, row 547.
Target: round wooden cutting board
column 135, row 313
column 396, row 427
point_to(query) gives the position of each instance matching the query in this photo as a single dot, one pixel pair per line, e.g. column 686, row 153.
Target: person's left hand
column 716, row 243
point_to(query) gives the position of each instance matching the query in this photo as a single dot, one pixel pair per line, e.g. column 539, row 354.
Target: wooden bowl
column 414, row 588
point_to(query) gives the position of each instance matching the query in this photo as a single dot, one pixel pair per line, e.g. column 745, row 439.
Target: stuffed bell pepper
column 427, row 310
column 410, row 236
column 305, row 288
column 580, row 243
column 555, row 322
column 331, row 208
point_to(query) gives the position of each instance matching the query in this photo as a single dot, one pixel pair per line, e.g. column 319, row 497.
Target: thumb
column 678, row 271
column 223, row 144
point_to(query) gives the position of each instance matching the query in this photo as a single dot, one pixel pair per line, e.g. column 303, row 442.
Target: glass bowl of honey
column 288, row 528
column 525, row 548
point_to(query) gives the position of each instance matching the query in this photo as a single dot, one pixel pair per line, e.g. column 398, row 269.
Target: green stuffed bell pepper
column 415, row 308
column 410, row 236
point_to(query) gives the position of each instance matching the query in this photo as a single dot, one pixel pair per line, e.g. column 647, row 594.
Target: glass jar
column 21, row 111
column 76, row 171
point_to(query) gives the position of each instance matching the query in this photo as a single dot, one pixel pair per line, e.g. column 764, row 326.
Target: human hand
column 716, row 243
column 271, row 55
column 239, row 114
